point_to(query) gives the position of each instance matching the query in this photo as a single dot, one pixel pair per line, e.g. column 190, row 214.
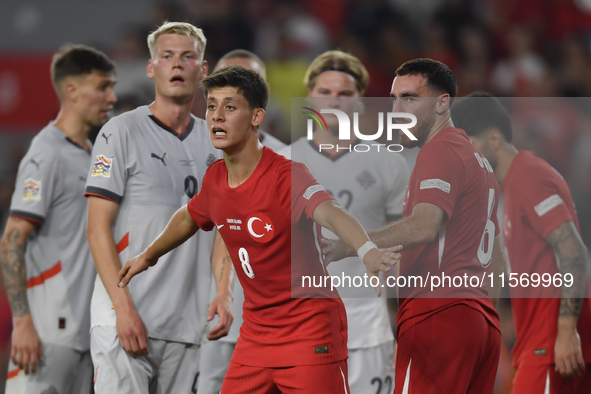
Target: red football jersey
column 536, row 200
column 452, row 174
column 261, row 222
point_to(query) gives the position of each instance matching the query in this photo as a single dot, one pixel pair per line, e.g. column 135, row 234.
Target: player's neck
column 242, row 163
column 439, row 125
column 505, row 157
column 325, row 137
column 73, row 126
column 174, row 114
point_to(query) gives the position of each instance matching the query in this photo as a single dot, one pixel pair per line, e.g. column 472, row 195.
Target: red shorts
column 544, row 379
column 453, row 351
column 323, row 378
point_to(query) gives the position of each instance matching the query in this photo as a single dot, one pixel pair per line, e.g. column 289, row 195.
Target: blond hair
column 338, row 61
column 180, row 28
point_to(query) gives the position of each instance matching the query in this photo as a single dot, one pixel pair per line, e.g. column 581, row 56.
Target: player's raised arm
column 223, row 275
column 331, row 215
column 571, row 252
column 26, row 345
column 418, row 229
column 180, row 228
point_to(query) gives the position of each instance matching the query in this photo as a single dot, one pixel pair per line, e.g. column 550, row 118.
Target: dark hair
column 76, row 60
column 479, row 112
column 249, row 83
column 439, row 76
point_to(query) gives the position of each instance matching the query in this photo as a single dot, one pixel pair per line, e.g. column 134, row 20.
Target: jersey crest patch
column 32, row 190
column 548, row 204
column 260, row 227
column 436, row 184
column 102, row 166
column 210, row 159
column 365, row 179
column 311, row 190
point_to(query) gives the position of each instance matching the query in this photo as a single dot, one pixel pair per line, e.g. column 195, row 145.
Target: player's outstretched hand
column 138, row 264
column 377, row 260
column 334, row 250
column 132, row 332
column 26, row 345
column 568, row 355
column 221, row 306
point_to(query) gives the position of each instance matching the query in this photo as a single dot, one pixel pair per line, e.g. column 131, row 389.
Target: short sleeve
column 542, row 203
column 396, row 174
column 108, row 172
column 299, row 192
column 35, row 184
column 439, row 174
column 198, row 206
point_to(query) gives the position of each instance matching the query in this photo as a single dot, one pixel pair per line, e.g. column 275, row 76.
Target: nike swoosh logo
column 220, row 226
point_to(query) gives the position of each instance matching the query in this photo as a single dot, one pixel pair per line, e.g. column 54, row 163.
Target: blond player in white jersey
column 46, row 263
column 370, row 185
column 147, row 163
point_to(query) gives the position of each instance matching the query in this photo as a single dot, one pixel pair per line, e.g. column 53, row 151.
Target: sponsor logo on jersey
column 311, row 190
column 321, row 349
column 32, row 190
column 102, row 166
column 36, row 163
column 106, row 137
column 161, row 158
column 436, row 184
column 365, row 179
column 260, row 227
column 548, row 204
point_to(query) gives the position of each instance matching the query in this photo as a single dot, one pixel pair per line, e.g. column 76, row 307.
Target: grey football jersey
column 141, row 164
column 60, row 272
column 371, row 186
column 273, row 143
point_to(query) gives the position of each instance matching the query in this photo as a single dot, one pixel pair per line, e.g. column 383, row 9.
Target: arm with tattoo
column 26, row 346
column 571, row 253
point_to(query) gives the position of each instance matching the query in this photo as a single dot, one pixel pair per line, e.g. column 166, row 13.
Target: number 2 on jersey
column 245, row 260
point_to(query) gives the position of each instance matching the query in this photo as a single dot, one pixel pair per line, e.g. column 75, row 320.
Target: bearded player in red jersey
column 540, row 224
column 448, row 338
column 265, row 206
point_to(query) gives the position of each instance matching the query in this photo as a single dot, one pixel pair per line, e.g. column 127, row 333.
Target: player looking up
column 49, row 281
column 265, row 206
column 541, row 233
column 448, row 339
column 147, row 163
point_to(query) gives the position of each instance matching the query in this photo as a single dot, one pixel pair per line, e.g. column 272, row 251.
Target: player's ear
column 258, row 116
column 69, row 90
column 204, row 68
column 494, row 139
column 150, row 69
column 442, row 104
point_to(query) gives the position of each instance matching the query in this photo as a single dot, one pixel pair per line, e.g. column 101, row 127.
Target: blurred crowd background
column 512, row 48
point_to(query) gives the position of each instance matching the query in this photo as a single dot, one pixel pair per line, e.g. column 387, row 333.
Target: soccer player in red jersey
column 265, row 206
column 540, row 224
column 448, row 338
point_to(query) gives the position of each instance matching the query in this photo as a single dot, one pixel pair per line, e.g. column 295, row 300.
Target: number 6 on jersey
column 245, row 260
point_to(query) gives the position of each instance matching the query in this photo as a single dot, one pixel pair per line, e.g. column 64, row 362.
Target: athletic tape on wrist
column 366, row 247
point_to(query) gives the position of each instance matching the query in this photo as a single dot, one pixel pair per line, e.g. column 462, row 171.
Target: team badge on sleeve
column 436, row 184
column 102, row 166
column 311, row 190
column 32, row 190
column 546, row 205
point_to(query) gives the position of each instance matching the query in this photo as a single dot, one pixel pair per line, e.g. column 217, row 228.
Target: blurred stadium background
column 513, row 48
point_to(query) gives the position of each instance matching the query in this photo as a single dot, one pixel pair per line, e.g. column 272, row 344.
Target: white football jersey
column 150, row 171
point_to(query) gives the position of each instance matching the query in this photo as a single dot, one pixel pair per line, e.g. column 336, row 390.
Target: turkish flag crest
column 260, row 227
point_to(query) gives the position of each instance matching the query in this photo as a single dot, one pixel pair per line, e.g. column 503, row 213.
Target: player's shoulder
column 530, row 169
column 48, row 144
column 125, row 122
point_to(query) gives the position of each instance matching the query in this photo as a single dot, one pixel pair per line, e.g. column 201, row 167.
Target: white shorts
column 64, row 370
column 171, row 367
column 370, row 369
column 215, row 359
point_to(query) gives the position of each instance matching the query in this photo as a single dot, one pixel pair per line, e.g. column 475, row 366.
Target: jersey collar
column 180, row 136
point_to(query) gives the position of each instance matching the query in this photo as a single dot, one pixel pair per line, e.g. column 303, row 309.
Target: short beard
column 420, row 131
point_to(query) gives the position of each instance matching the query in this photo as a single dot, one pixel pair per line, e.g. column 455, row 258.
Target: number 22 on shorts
column 245, row 260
